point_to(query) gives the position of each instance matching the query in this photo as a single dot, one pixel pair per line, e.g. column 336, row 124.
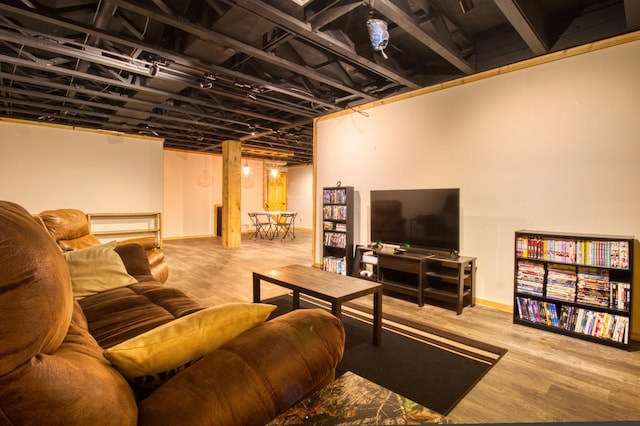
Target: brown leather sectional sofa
column 53, row 368
column 70, row 229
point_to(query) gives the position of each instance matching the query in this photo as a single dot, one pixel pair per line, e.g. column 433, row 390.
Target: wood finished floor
column 544, row 377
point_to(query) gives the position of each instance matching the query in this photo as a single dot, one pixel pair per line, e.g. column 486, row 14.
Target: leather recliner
column 70, row 229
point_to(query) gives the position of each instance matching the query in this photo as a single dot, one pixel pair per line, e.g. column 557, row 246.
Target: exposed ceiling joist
column 228, row 42
column 330, row 15
column 318, row 37
column 529, row 21
column 632, row 14
column 396, row 14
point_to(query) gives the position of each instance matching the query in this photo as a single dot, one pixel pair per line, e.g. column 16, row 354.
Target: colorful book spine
column 334, row 239
column 334, row 196
column 602, row 325
column 602, row 253
column 334, row 264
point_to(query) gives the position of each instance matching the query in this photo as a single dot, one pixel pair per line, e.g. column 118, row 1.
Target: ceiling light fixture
column 248, row 181
column 205, row 179
column 246, row 170
column 275, row 168
column 378, row 34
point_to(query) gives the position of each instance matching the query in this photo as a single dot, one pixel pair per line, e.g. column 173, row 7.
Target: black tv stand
column 423, row 274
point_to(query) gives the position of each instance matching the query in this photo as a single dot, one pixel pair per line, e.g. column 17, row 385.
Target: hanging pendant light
column 378, row 34
column 246, row 170
column 205, row 179
column 275, row 168
column 247, row 176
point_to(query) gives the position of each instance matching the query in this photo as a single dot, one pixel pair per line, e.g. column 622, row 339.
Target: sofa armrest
column 146, row 242
column 255, row 377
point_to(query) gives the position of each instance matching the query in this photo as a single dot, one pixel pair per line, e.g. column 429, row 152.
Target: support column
column 231, row 189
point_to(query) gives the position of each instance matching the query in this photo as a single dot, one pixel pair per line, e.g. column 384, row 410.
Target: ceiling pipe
column 103, row 16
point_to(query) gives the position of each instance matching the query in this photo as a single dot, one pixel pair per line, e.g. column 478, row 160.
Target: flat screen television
column 421, row 218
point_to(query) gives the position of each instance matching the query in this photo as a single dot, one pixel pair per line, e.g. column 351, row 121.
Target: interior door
column 276, row 194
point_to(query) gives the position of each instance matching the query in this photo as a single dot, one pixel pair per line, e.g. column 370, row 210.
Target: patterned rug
column 432, row 367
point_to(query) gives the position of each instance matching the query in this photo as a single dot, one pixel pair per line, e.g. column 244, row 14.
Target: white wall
column 49, row 167
column 553, row 147
column 192, row 186
column 189, row 203
column 252, row 190
column 300, row 195
column 45, row 166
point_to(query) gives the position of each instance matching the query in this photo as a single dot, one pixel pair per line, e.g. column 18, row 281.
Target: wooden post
column 231, row 189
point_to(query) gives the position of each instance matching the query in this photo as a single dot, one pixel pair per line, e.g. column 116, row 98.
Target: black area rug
column 432, row 367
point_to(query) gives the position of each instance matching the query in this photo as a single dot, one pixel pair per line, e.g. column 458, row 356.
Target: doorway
column 218, row 220
column 275, row 192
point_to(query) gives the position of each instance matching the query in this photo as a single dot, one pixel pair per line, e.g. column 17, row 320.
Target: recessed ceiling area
column 197, row 73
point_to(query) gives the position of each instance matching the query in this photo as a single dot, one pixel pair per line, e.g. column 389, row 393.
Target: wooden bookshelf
column 580, row 285
column 337, row 229
column 125, row 225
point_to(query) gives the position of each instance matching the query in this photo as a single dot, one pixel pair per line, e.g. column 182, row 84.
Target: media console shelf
column 437, row 276
column 402, row 274
column 451, row 279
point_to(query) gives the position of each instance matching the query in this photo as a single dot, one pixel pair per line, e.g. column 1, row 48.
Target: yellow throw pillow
column 95, row 269
column 158, row 354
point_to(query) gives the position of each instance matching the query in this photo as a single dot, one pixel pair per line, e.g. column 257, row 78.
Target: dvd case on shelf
column 337, row 229
column 579, row 285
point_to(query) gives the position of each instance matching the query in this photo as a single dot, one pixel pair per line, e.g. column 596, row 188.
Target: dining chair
column 286, row 224
column 263, row 226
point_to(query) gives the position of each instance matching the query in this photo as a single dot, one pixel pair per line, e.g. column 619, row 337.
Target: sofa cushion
column 256, row 376
column 35, row 290
column 134, row 258
column 153, row 357
column 75, row 385
column 122, row 313
column 95, row 269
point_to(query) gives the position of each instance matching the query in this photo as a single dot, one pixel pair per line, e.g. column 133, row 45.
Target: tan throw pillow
column 153, row 357
column 95, row 269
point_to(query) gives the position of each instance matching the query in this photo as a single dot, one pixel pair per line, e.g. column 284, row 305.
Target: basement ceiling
column 197, row 73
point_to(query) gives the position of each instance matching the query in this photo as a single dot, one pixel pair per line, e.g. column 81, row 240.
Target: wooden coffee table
column 328, row 286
